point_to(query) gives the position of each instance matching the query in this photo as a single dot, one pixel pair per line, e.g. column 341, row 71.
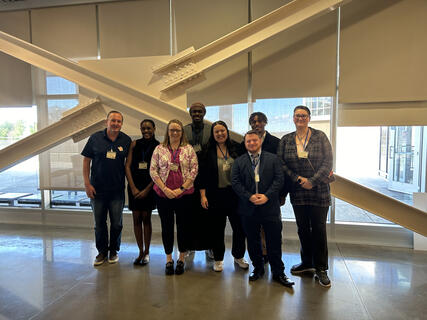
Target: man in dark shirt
column 107, row 151
column 258, row 121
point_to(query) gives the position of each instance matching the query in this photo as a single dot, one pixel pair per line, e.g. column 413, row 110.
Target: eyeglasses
column 301, row 116
column 175, row 130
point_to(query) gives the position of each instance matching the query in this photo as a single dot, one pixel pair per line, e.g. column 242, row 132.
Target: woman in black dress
column 140, row 188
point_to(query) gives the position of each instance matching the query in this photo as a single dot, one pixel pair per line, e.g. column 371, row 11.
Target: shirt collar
column 263, row 137
column 259, row 153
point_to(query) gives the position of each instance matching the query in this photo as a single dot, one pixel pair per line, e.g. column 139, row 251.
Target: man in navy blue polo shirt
column 107, row 151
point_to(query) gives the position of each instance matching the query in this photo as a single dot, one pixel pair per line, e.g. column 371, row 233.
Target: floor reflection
column 48, row 274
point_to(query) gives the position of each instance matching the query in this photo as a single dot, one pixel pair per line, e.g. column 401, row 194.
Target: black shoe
column 179, row 267
column 256, row 274
column 139, row 262
column 302, row 268
column 169, row 268
column 113, row 257
column 323, row 278
column 283, row 280
column 100, row 259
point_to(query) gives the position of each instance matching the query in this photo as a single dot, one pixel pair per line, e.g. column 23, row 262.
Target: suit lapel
column 261, row 165
column 266, row 140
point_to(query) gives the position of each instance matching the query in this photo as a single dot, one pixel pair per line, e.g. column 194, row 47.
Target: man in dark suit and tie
column 257, row 179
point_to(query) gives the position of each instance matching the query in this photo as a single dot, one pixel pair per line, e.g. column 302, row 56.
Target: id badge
column 143, row 165
column 174, row 167
column 225, row 166
column 197, row 148
column 303, row 154
column 256, row 177
column 111, row 155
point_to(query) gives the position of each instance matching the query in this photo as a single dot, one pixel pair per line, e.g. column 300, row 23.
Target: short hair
column 250, row 132
column 182, row 142
column 148, row 120
column 261, row 116
column 303, row 108
column 199, row 105
column 114, row 111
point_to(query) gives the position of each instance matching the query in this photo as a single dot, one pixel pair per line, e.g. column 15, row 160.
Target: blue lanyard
column 174, row 154
column 224, row 155
column 306, row 137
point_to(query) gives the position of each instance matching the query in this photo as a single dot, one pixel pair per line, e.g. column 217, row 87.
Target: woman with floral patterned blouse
column 173, row 169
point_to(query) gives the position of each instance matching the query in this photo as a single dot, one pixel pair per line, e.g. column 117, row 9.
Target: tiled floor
column 47, row 273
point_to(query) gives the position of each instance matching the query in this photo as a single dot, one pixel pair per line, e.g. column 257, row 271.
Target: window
column 235, row 116
column 20, row 183
column 64, row 160
column 385, row 159
column 279, row 113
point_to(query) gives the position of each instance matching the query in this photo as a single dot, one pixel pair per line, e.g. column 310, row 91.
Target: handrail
column 379, row 204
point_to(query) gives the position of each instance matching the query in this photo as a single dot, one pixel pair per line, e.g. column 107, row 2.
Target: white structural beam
column 190, row 63
column 76, row 125
column 97, row 82
column 381, row 205
column 100, row 78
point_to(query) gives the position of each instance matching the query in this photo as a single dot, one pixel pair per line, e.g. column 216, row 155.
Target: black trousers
column 273, row 238
column 167, row 209
column 311, row 223
column 223, row 204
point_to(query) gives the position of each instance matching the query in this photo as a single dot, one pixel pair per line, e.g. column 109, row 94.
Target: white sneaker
column 146, row 259
column 242, row 263
column 218, row 266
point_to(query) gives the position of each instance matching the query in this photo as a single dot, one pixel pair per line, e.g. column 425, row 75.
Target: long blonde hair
column 183, row 141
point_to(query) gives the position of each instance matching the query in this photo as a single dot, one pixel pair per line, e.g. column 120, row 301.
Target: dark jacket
column 208, row 167
column 188, row 130
column 270, row 144
column 271, row 181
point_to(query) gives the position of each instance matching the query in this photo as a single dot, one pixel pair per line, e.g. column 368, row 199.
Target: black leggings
column 222, row 205
column 167, row 208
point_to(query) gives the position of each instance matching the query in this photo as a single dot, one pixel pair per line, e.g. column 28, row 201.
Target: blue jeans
column 111, row 203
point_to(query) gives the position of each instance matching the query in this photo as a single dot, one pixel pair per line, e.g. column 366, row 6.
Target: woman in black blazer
column 217, row 196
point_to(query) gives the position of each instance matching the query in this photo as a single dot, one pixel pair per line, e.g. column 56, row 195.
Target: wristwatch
column 182, row 188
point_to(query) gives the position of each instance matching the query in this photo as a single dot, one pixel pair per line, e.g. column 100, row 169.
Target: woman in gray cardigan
column 306, row 156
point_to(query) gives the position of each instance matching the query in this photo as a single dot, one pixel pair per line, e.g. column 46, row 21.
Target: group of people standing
column 200, row 168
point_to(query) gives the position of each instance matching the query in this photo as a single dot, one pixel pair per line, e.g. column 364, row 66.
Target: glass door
column 404, row 159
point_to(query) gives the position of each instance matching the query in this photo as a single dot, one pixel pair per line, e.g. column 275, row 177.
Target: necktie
column 255, row 160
